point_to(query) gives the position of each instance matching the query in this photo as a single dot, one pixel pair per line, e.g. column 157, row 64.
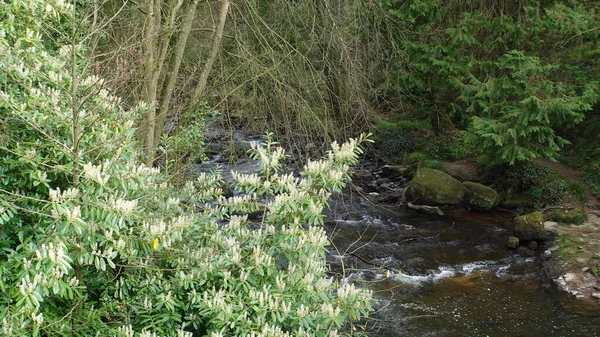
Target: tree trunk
column 173, row 72
column 149, row 91
column 157, row 39
column 197, row 95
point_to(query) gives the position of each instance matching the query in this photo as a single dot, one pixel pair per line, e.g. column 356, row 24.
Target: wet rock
column 480, row 197
column 530, row 227
column 513, row 242
column 434, row 187
column 576, row 284
column 546, row 255
column 382, row 181
column 394, row 171
column 362, row 175
column 532, row 245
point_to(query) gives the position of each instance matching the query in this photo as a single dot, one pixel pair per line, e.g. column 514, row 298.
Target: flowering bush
column 117, row 251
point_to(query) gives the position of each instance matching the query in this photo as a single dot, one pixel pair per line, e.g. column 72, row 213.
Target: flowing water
column 449, row 276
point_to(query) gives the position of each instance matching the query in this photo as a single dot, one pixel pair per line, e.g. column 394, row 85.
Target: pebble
column 596, row 295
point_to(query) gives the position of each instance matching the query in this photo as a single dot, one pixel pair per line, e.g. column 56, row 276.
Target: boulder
column 530, row 227
column 434, row 187
column 480, row 197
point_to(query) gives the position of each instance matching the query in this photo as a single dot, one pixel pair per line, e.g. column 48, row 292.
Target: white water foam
column 433, row 276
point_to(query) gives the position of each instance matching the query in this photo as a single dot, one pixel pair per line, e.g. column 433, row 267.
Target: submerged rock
column 434, row 187
column 480, row 197
column 530, row 227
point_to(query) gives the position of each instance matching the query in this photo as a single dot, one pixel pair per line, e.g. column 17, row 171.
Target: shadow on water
column 449, row 276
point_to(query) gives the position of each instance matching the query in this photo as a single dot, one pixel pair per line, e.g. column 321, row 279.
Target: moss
column 574, row 216
column 433, row 187
column 480, row 197
column 530, row 227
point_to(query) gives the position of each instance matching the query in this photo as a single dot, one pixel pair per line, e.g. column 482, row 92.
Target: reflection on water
column 450, row 276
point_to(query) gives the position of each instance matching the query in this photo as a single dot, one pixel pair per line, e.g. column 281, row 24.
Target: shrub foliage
column 96, row 244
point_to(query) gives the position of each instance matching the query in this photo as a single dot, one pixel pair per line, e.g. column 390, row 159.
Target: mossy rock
column 530, row 227
column 575, row 216
column 513, row 242
column 434, row 187
column 480, row 197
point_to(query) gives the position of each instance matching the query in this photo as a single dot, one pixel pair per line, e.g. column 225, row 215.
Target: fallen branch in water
column 425, row 208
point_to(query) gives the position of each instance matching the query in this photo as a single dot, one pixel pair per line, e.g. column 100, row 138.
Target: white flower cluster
column 347, row 290
column 283, row 200
column 315, row 167
column 155, row 229
column 141, row 170
column 218, row 301
column 69, row 213
column 344, row 153
column 330, row 310
column 55, row 253
column 7, row 328
column 28, row 286
column 37, row 319
column 97, row 173
column 316, row 236
column 246, row 179
column 122, row 206
column 244, row 202
column 268, row 160
column 57, row 7
column 260, row 257
column 58, row 196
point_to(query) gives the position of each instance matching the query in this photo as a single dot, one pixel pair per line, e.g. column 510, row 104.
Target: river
column 448, row 276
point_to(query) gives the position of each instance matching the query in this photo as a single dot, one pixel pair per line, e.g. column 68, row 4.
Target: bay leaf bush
column 94, row 243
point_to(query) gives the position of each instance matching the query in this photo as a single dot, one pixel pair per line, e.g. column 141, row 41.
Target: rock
column 575, row 216
column 394, row 171
column 532, row 245
column 382, row 181
column 513, row 242
column 596, row 295
column 434, row 187
column 530, row 227
column 551, row 226
column 480, row 197
column 576, row 284
column 546, row 255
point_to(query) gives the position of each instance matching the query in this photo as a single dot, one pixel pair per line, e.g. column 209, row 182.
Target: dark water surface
column 449, row 276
